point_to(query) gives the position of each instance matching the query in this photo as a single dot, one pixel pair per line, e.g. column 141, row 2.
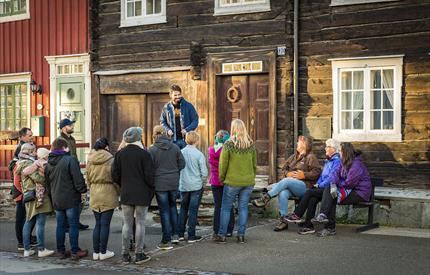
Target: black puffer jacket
column 64, row 180
column 132, row 169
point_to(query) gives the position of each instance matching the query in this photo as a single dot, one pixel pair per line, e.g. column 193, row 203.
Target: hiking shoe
column 44, row 253
column 194, row 239
column 165, row 246
column 62, row 254
column 281, row 226
column 132, row 247
column 261, row 202
column 219, row 239
column 326, row 232
column 96, row 256
column 306, row 230
column 241, row 239
column 79, row 254
column 107, row 255
column 321, row 218
column 175, row 240
column 141, row 258
column 126, row 259
column 28, row 253
column 293, row 218
column 20, row 247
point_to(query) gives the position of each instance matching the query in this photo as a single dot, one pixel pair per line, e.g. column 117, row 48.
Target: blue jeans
column 180, row 142
column 229, row 196
column 101, row 231
column 190, row 202
column 217, row 192
column 166, row 201
column 286, row 188
column 40, row 220
column 72, row 216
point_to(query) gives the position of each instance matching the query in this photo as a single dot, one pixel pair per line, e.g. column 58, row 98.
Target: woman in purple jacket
column 217, row 186
column 353, row 186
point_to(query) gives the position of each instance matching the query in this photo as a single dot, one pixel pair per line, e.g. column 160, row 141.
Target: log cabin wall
column 376, row 29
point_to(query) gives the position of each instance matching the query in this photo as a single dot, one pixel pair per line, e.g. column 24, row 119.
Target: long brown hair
column 348, row 154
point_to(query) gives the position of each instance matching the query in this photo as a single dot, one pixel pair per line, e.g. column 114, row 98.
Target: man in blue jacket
column 178, row 117
column 310, row 199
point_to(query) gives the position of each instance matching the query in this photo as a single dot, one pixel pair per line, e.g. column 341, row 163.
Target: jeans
column 217, row 193
column 129, row 212
column 101, row 230
column 286, row 188
column 40, row 220
column 309, row 203
column 190, row 202
column 72, row 216
column 166, row 201
column 19, row 220
column 180, row 142
column 229, row 196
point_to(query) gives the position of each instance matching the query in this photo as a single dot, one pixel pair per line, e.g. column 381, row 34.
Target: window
column 353, row 2
column 367, row 98
column 224, row 7
column 142, row 12
column 12, row 10
column 13, row 106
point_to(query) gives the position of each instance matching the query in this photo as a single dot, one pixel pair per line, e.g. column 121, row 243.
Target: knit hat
column 27, row 148
column 132, row 134
column 64, row 122
column 333, row 143
column 42, row 153
column 222, row 136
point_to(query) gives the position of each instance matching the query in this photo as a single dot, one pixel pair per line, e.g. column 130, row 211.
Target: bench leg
column 370, row 225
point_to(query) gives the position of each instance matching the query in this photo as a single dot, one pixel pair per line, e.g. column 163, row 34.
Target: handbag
column 29, row 196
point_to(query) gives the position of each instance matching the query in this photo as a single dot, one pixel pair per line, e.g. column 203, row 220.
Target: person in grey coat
column 168, row 162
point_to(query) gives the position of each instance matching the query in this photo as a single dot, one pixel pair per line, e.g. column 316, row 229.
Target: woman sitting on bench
column 350, row 184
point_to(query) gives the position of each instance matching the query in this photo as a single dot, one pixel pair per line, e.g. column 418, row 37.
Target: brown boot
column 281, row 225
column 261, row 202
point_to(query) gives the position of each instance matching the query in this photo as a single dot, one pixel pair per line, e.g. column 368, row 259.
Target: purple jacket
column 357, row 178
column 213, row 159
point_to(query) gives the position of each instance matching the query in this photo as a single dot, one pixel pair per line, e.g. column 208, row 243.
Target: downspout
column 296, row 71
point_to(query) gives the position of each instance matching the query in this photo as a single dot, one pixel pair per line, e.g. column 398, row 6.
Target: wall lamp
column 35, row 88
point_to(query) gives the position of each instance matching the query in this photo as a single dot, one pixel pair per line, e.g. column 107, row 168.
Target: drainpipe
column 296, row 71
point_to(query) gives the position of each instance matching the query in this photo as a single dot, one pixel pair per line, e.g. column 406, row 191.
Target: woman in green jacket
column 237, row 169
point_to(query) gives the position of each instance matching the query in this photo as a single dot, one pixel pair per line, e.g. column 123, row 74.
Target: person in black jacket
column 65, row 184
column 132, row 170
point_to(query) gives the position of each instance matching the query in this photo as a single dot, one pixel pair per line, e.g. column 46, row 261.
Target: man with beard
column 178, row 117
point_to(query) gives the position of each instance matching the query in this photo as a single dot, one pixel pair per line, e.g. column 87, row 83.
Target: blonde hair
column 192, row 137
column 157, row 132
column 239, row 135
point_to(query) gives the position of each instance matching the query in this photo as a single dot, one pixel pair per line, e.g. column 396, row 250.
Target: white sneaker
column 107, row 255
column 96, row 256
column 28, row 253
column 45, row 253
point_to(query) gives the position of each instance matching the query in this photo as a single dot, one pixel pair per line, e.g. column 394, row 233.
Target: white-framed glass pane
column 3, row 124
column 358, row 77
column 358, row 100
column 346, row 80
column 375, row 79
column 388, row 79
column 2, row 113
column 388, row 99
column 149, row 7
column 157, row 5
column 346, row 101
column 358, row 120
column 375, row 120
column 346, row 120
column 388, row 121
column 130, row 9
column 375, row 99
column 138, row 8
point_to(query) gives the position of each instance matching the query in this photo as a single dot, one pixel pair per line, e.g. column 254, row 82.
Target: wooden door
column 251, row 106
column 154, row 105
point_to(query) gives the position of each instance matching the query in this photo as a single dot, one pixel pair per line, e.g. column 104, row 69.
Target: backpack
column 14, row 192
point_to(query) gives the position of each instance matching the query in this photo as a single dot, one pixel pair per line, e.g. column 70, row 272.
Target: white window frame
column 239, row 8
column 394, row 62
column 143, row 19
column 19, row 78
column 17, row 17
column 355, row 2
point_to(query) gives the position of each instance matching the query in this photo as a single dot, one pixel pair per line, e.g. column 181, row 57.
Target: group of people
column 172, row 168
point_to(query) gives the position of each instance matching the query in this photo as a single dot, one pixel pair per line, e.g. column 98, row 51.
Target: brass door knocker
column 233, row 94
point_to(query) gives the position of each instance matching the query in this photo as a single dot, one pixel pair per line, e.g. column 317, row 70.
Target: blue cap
column 65, row 121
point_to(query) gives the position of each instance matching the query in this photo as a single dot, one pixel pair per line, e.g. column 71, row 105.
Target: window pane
column 375, row 100
column 9, row 113
column 375, row 120
column 388, row 120
column 17, row 124
column 2, row 113
column 375, row 79
column 24, row 123
column 149, row 7
column 346, row 80
column 358, row 120
column 18, row 113
column 388, row 99
column 138, row 8
column 388, row 78
column 3, row 124
column 346, row 101
column 346, row 120
column 358, row 100
column 9, row 101
column 157, row 6
column 130, row 9
column 358, row 80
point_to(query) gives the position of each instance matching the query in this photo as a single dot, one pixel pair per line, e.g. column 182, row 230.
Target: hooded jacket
column 330, row 166
column 104, row 193
column 64, row 180
column 168, row 162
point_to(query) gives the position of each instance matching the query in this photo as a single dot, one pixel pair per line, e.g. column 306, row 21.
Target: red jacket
column 17, row 183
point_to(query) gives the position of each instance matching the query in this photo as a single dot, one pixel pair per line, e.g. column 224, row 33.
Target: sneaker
column 181, row 238
column 83, row 226
column 79, row 254
column 96, row 256
column 293, row 218
column 281, row 226
column 261, row 202
column 107, row 255
column 326, row 232
column 126, row 259
column 20, row 247
column 306, row 230
column 241, row 239
column 62, row 254
column 228, row 235
column 165, row 246
column 141, row 258
column 175, row 240
column 28, row 253
column 194, row 239
column 219, row 239
column 321, row 218
column 44, row 253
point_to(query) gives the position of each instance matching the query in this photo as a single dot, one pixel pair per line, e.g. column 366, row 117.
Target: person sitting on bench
column 350, row 184
column 312, row 197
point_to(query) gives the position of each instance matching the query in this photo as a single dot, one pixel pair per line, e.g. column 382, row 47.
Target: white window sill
column 148, row 20
column 368, row 137
column 16, row 17
column 241, row 9
column 335, row 3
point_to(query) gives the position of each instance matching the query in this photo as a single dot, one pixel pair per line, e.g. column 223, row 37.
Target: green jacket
column 238, row 167
column 72, row 144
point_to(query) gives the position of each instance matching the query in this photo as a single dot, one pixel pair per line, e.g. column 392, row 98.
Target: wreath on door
column 233, row 94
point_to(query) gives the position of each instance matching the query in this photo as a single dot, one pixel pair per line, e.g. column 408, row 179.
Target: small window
column 225, row 7
column 354, row 2
column 142, row 12
column 13, row 106
column 12, row 10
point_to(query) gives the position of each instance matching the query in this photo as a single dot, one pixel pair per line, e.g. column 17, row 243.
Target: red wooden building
column 46, row 43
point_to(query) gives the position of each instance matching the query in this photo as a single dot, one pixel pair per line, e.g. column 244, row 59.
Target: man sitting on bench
column 351, row 184
column 308, row 203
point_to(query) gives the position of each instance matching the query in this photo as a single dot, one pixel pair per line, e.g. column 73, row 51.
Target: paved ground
column 266, row 252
